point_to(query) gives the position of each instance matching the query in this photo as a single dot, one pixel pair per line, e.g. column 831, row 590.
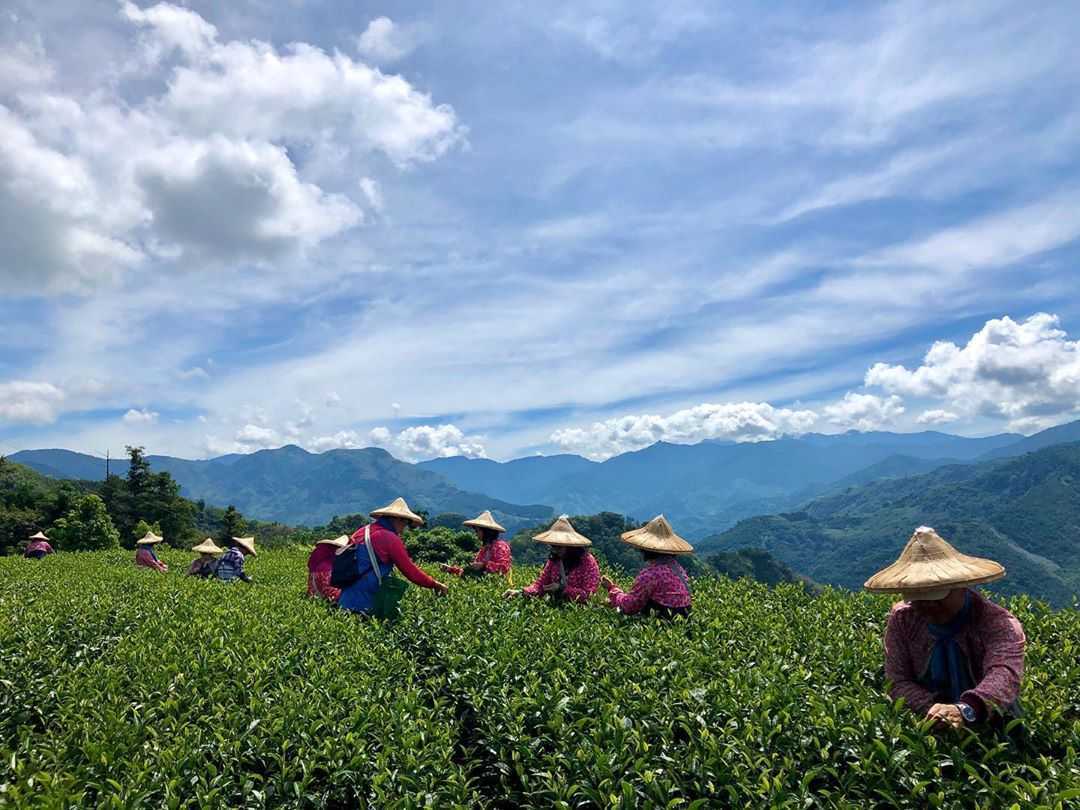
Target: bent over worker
column 951, row 653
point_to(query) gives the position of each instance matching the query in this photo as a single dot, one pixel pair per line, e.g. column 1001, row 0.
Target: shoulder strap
column 371, row 553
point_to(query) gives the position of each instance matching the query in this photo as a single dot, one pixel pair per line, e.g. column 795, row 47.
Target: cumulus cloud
column 137, row 416
column 35, row 403
column 1027, row 372
column 257, row 437
column 936, row 416
column 93, row 183
column 385, row 41
column 738, row 421
column 195, row 373
column 428, row 441
column 864, row 411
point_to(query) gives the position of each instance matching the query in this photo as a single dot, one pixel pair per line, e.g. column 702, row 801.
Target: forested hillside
column 1024, row 512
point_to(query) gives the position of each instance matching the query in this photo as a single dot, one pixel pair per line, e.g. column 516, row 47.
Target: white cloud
column 428, row 441
column 342, row 440
column 93, row 183
column 1020, row 371
column 936, row 416
column 385, row 41
column 140, row 417
column 738, row 421
column 864, row 411
column 995, row 241
column 35, row 403
column 372, row 193
column 333, row 399
column 257, row 437
column 195, row 373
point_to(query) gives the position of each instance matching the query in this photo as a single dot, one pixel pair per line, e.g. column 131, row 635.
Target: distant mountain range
column 703, row 488
column 709, row 486
column 1023, row 512
column 293, row 486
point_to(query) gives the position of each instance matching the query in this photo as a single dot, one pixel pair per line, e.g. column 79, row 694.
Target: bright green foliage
column 142, row 527
column 127, row 689
column 86, row 527
column 442, row 544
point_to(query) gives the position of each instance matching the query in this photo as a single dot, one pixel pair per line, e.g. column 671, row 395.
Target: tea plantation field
column 120, row 688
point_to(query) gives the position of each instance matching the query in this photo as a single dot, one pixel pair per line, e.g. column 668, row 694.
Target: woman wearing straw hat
column 494, row 555
column 320, row 565
column 385, row 537
column 231, row 567
column 203, row 566
column 662, row 587
column 952, row 654
column 38, row 547
column 145, row 554
column 571, row 572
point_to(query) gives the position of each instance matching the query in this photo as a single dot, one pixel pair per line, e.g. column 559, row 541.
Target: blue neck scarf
column 949, row 673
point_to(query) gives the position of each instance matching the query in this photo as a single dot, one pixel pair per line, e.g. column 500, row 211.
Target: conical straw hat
column 207, row 546
column 399, row 509
column 657, row 535
column 562, row 533
column 246, row 543
column 340, row 541
column 484, row 521
column 39, row 536
column 928, row 567
column 150, row 539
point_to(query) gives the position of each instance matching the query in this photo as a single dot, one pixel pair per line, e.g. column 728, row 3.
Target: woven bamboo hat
column 39, row 536
column 928, row 568
column 562, row 533
column 340, row 541
column 399, row 509
column 150, row 539
column 207, row 546
column 246, row 543
column 657, row 535
column 484, row 521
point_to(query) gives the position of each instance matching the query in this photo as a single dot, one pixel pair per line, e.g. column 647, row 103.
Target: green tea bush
column 120, row 687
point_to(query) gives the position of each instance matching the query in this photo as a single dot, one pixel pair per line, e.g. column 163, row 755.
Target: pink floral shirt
column 659, row 582
column 495, row 557
column 146, row 557
column 581, row 583
column 992, row 641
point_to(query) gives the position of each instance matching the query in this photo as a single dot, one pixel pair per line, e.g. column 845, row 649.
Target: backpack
column 346, row 568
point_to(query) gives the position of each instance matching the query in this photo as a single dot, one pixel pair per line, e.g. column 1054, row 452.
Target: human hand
column 444, row 567
column 476, row 566
column 511, row 593
column 946, row 714
column 552, row 587
column 607, row 582
column 441, row 589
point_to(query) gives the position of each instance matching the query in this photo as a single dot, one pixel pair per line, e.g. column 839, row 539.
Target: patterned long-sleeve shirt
column 38, row 548
column 231, row 566
column 992, row 642
column 581, row 582
column 146, row 557
column 495, row 557
column 659, row 583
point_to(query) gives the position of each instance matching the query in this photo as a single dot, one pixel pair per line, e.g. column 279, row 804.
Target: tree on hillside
column 142, row 527
column 149, row 496
column 87, row 527
column 441, row 544
column 232, row 525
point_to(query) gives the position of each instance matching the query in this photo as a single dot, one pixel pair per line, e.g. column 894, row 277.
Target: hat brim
column 479, row 524
column 644, row 541
column 414, row 519
column 247, row 544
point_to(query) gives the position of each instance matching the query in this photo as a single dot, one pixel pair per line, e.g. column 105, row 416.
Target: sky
column 508, row 229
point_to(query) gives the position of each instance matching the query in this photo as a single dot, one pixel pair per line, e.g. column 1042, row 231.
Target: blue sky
column 509, row 228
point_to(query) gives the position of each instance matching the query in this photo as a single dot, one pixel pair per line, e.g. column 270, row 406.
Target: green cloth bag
column 387, row 601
